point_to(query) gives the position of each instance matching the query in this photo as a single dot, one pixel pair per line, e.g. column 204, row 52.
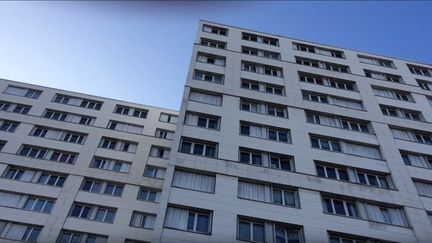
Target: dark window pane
column 191, row 221
column 244, row 230
column 320, row 171
column 331, row 173
column 339, row 207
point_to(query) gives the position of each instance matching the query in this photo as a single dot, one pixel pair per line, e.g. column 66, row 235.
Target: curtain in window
column 373, row 212
column 378, row 75
column 154, row 151
column 201, row 58
column 257, row 131
column 16, row 232
column 323, row 52
column 75, row 101
column 125, row 168
column 163, row 118
column 170, row 135
column 220, row 61
column 194, row 181
column 361, row 150
column 367, row 60
column 206, row 28
column 132, row 147
column 252, row 191
column 348, row 103
column 73, row 118
column 383, row 92
column 191, row 119
column 53, row 134
column 176, row 218
column 133, row 128
column 138, row 218
column 205, row 98
column 402, row 134
column 418, row 160
column 16, row 91
column 423, row 189
column 9, row 199
column 28, row 175
column 397, row 216
column 328, row 121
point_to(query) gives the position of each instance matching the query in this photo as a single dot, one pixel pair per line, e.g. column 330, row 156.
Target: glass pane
column 258, row 232
column 280, row 235
column 320, row 171
column 339, row 207
column 343, row 175
column 202, row 122
column 202, row 223
column 329, row 208
column 29, row 203
column 372, row 180
column 331, row 173
column 325, row 144
column 289, row 198
column 185, row 147
column 244, row 230
column 191, row 221
column 277, row 196
column 198, row 149
column 39, row 205
column 210, row 151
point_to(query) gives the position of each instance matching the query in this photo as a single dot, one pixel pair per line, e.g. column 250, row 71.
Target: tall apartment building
column 277, row 140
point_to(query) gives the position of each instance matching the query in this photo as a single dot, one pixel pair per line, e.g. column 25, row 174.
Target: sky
column 140, row 51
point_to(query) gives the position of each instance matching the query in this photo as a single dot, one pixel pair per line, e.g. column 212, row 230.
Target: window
column 265, row 132
column 372, row 179
column 318, row 50
column 2, row 144
column 340, row 207
column 119, row 145
column 376, row 61
column 110, row 164
column 262, row 87
column 193, row 220
column 425, row 85
column 160, row 152
column 194, row 181
column 168, row 118
column 76, row 101
column 323, row 65
column 49, row 178
column 325, row 144
column 202, row 120
column 327, row 81
column 21, row 109
column 24, row 92
column 60, row 135
column 332, row 100
column 393, row 94
column 268, row 193
column 125, row 127
column 211, row 59
column 154, row 172
column 423, row 188
column 4, row 106
column 164, row 134
column 336, row 237
column 412, row 135
column 63, row 156
column 148, row 194
column 35, row 152
column 271, row 160
column 383, row 76
column 401, row 113
column 359, row 209
column 198, row 147
column 251, row 231
column 206, row 98
column 213, row 43
column 209, row 77
column 215, row 30
column 39, row 205
column 260, row 53
column 362, row 150
column 131, row 111
column 93, row 212
column 262, row 69
column 14, row 107
column 104, row 187
column 80, row 237
column 332, row 172
column 263, row 108
column 142, row 220
column 8, row 126
column 69, row 117
column 423, row 71
column 260, row 39
column 18, row 231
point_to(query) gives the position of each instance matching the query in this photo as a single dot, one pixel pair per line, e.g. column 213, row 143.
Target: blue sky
column 140, row 51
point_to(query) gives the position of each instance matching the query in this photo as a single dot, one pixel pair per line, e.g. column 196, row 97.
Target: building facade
column 277, row 140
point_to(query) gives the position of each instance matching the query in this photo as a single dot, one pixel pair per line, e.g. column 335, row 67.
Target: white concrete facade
column 226, row 166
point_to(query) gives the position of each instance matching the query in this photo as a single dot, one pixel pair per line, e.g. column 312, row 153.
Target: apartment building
column 277, row 140
column 284, row 140
column 79, row 168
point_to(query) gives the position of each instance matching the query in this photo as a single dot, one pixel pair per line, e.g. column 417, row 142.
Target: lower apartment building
column 277, row 140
